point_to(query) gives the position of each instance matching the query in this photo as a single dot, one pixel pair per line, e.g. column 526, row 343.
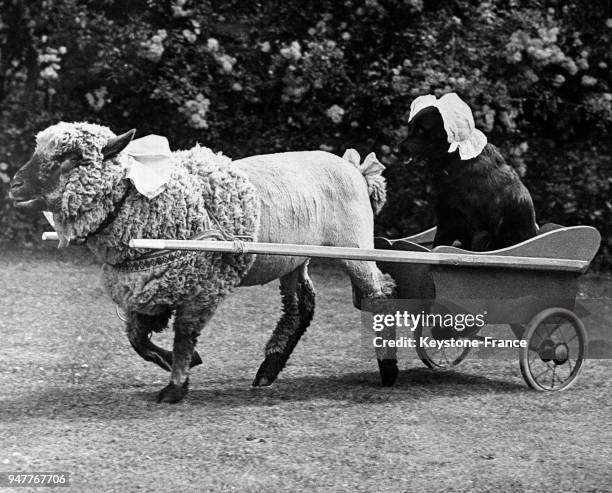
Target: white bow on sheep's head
column 77, row 172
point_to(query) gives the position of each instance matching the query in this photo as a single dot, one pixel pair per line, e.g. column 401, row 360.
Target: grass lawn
column 76, row 398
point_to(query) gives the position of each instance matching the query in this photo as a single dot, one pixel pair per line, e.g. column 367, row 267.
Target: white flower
column 197, row 121
column 570, row 65
column 415, row 4
column 559, row 80
column 588, row 81
column 189, row 35
column 292, row 52
column 98, row 98
column 583, row 64
column 178, row 11
column 265, row 46
column 196, row 111
column 335, row 113
column 227, row 62
column 212, row 44
column 153, row 49
column 49, row 73
column 516, row 57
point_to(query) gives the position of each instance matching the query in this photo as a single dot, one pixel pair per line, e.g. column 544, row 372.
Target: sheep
column 78, row 172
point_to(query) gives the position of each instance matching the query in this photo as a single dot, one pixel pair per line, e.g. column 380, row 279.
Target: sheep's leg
column 373, row 284
column 188, row 323
column 139, row 327
column 387, row 358
column 298, row 297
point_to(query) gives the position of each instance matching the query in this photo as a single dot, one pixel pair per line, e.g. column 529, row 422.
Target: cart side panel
column 425, row 238
column 511, row 296
column 573, row 243
column 515, row 295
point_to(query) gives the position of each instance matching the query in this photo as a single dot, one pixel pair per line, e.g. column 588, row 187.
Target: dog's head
column 426, row 137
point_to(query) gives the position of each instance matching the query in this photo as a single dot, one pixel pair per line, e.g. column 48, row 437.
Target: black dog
column 481, row 202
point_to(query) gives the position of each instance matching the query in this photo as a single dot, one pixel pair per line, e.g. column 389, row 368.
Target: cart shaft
column 367, row 254
column 352, row 253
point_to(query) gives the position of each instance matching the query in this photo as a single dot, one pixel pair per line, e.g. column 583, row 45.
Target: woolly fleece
column 201, row 181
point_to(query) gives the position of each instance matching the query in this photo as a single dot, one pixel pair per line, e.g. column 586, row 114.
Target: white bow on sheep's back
column 370, row 166
column 458, row 123
column 149, row 164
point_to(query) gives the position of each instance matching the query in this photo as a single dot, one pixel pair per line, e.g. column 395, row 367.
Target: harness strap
column 113, row 214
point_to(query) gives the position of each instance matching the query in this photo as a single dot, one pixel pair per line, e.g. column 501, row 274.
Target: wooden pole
column 352, row 253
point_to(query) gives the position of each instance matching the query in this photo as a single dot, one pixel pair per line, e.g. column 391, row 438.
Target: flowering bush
column 153, row 48
column 335, row 113
column 195, row 110
column 246, row 78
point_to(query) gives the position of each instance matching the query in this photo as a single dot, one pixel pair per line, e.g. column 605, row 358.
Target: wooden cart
column 536, row 299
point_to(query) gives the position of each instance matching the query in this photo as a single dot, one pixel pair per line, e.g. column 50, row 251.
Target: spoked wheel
column 445, row 358
column 555, row 352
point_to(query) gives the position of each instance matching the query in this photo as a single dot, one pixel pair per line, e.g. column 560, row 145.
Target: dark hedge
column 255, row 77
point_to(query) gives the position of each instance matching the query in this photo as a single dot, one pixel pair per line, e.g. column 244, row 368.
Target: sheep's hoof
column 269, row 370
column 172, row 393
column 261, row 382
column 388, row 371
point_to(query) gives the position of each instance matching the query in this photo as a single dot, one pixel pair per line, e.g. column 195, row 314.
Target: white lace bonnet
column 458, row 123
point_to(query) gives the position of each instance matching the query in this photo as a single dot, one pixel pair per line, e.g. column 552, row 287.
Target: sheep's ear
column 115, row 145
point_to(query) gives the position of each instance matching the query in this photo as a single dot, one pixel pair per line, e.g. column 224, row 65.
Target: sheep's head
column 73, row 173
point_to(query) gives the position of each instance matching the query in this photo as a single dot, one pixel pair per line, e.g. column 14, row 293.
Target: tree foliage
column 268, row 76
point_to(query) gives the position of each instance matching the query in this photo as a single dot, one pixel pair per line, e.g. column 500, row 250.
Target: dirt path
column 74, row 397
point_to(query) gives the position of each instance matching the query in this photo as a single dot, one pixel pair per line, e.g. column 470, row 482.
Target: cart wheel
column 439, row 359
column 555, row 351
